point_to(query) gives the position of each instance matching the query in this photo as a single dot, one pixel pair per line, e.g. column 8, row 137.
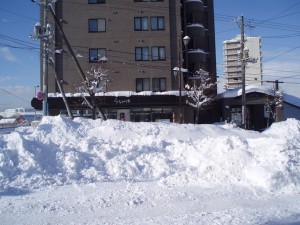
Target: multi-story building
column 139, row 43
column 232, row 62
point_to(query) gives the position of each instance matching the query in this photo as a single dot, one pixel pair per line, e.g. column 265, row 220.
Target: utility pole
column 244, row 59
column 61, row 90
column 45, row 41
column 243, row 74
column 42, row 32
column 84, row 79
column 278, row 101
column 45, row 35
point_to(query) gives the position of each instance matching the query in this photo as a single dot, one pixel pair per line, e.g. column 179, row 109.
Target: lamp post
column 178, row 73
column 179, row 70
column 186, row 41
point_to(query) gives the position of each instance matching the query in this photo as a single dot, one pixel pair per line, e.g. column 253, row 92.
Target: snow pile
column 61, row 151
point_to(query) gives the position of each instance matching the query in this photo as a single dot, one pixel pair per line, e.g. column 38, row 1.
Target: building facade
column 138, row 43
column 232, row 62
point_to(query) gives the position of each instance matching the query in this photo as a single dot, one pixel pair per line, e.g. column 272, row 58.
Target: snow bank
column 61, row 151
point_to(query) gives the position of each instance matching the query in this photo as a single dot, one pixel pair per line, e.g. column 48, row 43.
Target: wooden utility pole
column 45, row 41
column 81, row 73
column 279, row 115
column 243, row 62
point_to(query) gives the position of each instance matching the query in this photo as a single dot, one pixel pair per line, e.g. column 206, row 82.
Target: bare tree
column 201, row 92
column 274, row 104
column 97, row 83
column 100, row 79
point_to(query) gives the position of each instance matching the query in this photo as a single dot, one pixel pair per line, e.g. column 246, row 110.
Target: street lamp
column 179, row 70
column 186, row 41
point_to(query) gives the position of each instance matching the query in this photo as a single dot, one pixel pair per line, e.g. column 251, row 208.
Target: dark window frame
column 143, row 82
column 156, row 24
column 140, row 20
column 96, row 30
column 142, row 56
column 159, row 84
column 158, row 57
column 96, row 2
column 97, row 59
column 148, row 0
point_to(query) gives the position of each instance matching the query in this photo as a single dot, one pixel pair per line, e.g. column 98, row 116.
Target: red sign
column 40, row 95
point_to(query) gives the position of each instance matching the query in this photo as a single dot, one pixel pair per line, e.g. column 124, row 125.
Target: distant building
column 138, row 42
column 291, row 106
column 232, row 62
column 257, row 117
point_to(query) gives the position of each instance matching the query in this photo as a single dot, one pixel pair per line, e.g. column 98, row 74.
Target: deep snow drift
column 194, row 162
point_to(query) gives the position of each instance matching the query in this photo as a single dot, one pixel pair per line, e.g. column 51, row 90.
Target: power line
column 14, row 95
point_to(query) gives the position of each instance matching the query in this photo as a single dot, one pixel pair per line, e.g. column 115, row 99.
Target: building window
column 142, row 84
column 96, row 1
column 97, row 55
column 141, row 23
column 148, row 0
column 159, row 84
column 97, row 25
column 157, row 23
column 158, row 53
column 142, row 54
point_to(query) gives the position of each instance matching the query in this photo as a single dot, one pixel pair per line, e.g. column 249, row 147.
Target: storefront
column 133, row 108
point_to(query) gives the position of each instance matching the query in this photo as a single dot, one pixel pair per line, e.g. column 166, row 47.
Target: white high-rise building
column 232, row 62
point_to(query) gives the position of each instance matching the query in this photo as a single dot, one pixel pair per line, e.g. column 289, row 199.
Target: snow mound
column 61, row 151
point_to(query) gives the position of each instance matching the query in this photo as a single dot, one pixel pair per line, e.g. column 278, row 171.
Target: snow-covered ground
column 113, row 172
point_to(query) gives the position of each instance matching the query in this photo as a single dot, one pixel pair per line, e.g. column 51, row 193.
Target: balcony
column 194, row 5
column 196, row 56
column 195, row 30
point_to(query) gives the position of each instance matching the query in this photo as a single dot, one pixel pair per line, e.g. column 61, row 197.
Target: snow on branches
column 97, row 83
column 99, row 80
column 274, row 102
column 200, row 92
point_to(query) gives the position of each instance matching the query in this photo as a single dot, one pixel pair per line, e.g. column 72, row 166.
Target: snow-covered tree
column 274, row 103
column 201, row 92
column 100, row 78
column 97, row 83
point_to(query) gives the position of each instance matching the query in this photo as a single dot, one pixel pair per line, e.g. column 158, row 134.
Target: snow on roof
column 290, row 99
column 196, row 51
column 249, row 89
column 117, row 94
column 195, row 25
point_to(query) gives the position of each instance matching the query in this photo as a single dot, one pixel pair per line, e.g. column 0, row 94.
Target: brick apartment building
column 139, row 43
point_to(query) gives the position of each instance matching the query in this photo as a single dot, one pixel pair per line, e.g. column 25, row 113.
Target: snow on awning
column 249, row 89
